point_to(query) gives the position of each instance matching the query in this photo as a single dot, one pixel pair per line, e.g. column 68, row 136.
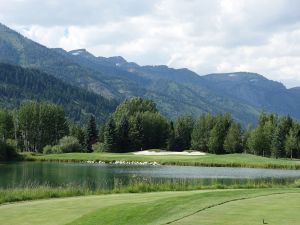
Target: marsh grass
column 35, row 191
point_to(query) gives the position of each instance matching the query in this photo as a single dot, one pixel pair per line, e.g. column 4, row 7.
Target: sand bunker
column 169, row 153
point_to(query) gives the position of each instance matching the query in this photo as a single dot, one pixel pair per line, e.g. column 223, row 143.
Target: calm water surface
column 109, row 176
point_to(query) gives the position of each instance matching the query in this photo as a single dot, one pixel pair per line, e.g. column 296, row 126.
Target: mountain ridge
column 176, row 91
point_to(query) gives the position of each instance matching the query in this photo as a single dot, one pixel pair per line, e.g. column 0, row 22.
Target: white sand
column 169, row 153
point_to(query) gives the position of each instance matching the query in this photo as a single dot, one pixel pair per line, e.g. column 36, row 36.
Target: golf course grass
column 230, row 160
column 274, row 206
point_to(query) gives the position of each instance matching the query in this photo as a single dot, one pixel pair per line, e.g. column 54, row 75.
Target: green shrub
column 65, row 145
column 56, row 149
column 98, row 147
column 47, row 149
column 69, row 144
column 7, row 152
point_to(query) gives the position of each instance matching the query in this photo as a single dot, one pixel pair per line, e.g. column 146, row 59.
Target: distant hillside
column 176, row 91
column 18, row 50
column 254, row 89
column 18, row 85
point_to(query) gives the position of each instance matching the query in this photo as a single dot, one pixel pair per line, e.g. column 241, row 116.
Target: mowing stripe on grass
column 222, row 203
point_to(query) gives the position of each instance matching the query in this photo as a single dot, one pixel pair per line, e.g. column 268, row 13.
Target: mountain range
column 176, row 91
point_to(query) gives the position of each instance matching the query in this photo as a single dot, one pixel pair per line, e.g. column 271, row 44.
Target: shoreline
column 235, row 160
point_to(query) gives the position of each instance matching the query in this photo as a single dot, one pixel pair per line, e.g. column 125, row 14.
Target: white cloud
column 206, row 36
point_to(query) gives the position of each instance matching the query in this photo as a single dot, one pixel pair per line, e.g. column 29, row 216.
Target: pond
column 108, row 176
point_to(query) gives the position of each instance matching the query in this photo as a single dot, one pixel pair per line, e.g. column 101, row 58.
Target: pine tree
column 171, row 138
column 136, row 133
column 110, row 136
column 123, row 134
column 91, row 134
column 183, row 132
column 155, row 130
column 101, row 133
column 246, row 136
column 6, row 125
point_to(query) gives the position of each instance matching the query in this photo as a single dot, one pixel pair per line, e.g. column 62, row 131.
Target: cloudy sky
column 203, row 35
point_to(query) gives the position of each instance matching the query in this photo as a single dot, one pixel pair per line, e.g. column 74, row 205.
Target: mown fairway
column 230, row 160
column 275, row 206
column 272, row 209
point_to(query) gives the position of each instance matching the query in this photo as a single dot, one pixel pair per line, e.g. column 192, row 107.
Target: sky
column 206, row 36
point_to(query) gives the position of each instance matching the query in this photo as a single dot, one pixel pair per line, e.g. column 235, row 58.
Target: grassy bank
column 33, row 192
column 231, row 160
column 274, row 206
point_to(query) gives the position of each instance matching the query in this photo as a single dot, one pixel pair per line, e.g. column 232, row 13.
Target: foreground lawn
column 268, row 209
column 231, row 160
column 275, row 206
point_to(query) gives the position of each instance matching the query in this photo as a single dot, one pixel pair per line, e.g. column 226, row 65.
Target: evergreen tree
column 246, row 136
column 6, row 125
column 110, row 136
column 136, row 133
column 123, row 134
column 171, row 138
column 91, row 133
column 155, row 129
column 101, row 133
column 183, row 132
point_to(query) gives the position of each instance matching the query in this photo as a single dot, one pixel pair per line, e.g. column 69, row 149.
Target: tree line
column 137, row 125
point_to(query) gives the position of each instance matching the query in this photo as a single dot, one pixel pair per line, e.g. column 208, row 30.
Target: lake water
column 109, row 176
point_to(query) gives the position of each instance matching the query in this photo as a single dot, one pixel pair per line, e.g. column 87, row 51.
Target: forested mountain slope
column 18, row 85
column 256, row 90
column 176, row 91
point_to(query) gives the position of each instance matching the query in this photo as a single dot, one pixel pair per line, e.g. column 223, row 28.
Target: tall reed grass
column 34, row 191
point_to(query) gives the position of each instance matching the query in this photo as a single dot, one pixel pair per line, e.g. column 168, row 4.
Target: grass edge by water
column 230, row 160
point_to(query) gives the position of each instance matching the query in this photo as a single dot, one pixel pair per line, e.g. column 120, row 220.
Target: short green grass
column 230, row 160
column 276, row 206
column 273, row 210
